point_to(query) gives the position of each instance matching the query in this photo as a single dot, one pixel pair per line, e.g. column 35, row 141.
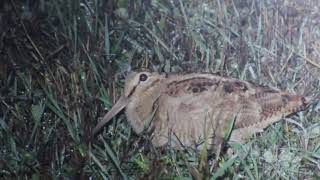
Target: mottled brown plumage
column 191, row 109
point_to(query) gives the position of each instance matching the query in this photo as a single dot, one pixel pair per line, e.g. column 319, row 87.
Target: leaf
column 220, row 172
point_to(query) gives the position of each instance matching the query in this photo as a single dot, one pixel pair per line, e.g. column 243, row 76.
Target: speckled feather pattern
column 199, row 107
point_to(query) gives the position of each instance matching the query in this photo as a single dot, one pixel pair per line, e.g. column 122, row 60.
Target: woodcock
column 191, row 109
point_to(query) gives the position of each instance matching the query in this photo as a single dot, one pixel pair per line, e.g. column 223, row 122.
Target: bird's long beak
column 120, row 104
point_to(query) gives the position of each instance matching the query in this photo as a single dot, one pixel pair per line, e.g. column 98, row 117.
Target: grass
column 63, row 64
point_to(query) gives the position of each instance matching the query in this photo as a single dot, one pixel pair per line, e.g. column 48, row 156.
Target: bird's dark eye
column 143, row 77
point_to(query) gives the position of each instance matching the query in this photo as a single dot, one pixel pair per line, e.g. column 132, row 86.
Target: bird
column 200, row 110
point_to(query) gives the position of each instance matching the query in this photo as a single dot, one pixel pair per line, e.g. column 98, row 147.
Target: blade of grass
column 101, row 166
column 108, row 153
column 163, row 44
column 221, row 171
column 53, row 105
column 37, row 112
column 106, row 37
